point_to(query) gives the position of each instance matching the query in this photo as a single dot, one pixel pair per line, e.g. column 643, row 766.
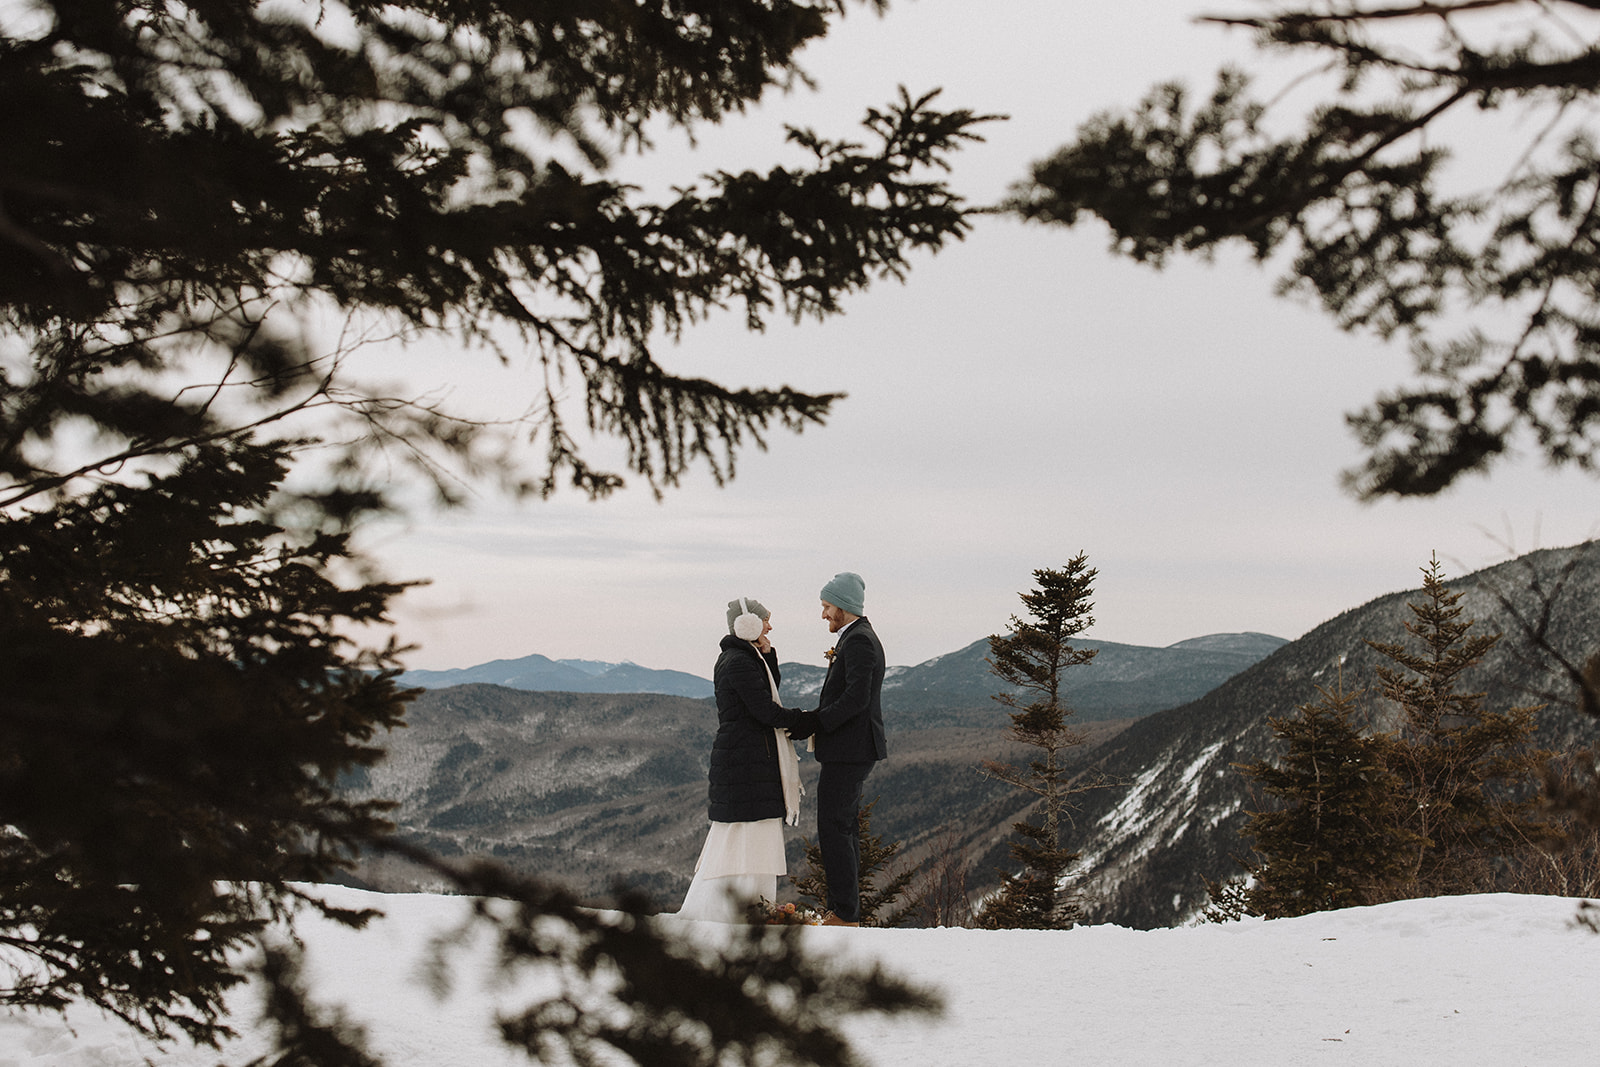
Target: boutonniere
column 829, row 655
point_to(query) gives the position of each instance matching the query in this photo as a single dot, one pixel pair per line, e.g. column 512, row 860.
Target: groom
column 849, row 740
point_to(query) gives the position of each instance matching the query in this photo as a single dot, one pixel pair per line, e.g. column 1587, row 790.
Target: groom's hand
column 807, row 725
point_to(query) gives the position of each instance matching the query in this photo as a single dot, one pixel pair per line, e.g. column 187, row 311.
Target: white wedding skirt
column 740, row 863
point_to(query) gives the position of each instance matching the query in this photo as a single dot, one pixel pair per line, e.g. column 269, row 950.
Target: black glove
column 805, row 726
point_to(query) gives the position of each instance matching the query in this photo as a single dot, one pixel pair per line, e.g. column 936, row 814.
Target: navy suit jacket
column 851, row 705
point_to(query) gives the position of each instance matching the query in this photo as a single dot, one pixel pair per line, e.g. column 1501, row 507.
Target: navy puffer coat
column 745, row 784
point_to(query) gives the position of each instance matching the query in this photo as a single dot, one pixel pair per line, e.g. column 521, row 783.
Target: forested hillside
column 1150, row 844
column 596, row 790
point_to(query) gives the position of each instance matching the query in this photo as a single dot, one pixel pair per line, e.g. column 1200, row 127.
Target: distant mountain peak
column 1249, row 641
column 591, row 667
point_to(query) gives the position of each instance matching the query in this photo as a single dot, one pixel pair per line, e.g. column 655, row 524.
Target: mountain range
column 545, row 675
column 1123, row 681
column 598, row 790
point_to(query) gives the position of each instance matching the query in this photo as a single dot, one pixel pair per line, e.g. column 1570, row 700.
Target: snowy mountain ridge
column 1149, row 845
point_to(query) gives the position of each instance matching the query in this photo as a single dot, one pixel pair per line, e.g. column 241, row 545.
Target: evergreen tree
column 180, row 694
column 879, row 907
column 1443, row 803
column 1335, row 840
column 188, row 191
column 1467, row 771
column 1228, row 899
column 187, row 187
column 1350, row 172
column 1032, row 659
column 1033, row 898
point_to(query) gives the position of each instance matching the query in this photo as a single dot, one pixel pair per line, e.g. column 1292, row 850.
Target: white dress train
column 739, row 864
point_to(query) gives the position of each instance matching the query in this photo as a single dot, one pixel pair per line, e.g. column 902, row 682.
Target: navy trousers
column 838, row 807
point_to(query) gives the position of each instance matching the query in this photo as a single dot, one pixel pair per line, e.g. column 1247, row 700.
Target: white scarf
column 788, row 762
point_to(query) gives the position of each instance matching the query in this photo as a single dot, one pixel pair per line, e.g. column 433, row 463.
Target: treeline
column 1433, row 795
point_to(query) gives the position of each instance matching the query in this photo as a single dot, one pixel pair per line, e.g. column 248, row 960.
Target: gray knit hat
column 846, row 590
column 746, row 606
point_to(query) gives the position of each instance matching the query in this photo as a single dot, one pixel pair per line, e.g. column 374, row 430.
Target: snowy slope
column 1174, row 820
column 1484, row 981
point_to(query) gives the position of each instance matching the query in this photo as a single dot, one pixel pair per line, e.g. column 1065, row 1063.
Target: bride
column 755, row 776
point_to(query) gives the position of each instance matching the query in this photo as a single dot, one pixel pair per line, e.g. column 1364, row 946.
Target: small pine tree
column 1032, row 899
column 1468, row 772
column 1230, row 899
column 1335, row 839
column 878, row 907
column 1032, row 659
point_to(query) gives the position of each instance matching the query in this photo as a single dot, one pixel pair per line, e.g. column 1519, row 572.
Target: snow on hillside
column 1480, row 981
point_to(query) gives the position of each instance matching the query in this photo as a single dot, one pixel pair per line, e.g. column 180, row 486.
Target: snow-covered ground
column 1496, row 981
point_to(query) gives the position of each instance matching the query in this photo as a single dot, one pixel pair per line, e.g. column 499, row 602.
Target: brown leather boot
column 831, row 919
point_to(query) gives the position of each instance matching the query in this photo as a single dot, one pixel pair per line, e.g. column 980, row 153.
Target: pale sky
column 1024, row 396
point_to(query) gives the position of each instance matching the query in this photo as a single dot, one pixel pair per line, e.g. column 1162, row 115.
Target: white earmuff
column 747, row 624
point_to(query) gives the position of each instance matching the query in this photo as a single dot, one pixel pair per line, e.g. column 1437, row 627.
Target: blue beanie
column 846, row 590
